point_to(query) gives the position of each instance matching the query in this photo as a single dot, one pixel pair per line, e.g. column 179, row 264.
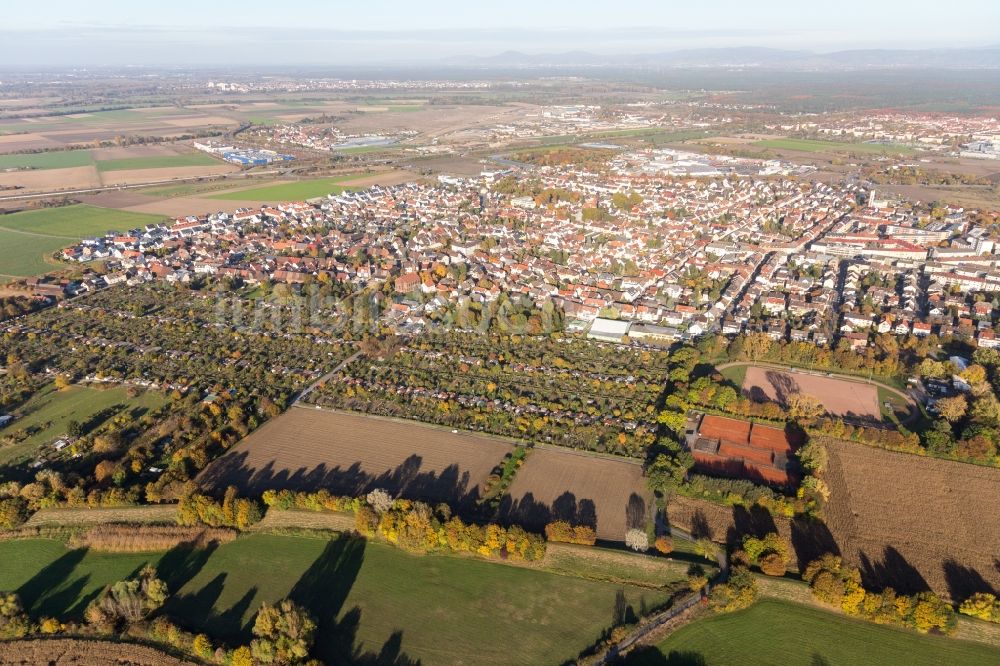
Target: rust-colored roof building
column 730, row 447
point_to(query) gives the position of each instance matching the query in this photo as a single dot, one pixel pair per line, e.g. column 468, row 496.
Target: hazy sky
column 331, row 32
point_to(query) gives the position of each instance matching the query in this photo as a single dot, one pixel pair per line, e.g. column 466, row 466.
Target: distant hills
column 753, row 57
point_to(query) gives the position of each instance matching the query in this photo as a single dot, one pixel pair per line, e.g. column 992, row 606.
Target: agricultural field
column 63, row 159
column 293, row 191
column 28, row 238
column 23, row 255
column 124, row 165
column 350, row 454
column 75, row 222
column 46, row 415
column 814, row 146
column 888, row 513
column 76, row 651
column 157, row 162
column 584, row 489
column 367, row 597
column 840, row 397
column 780, row 632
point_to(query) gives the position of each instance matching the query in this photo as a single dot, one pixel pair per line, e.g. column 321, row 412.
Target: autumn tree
column 952, row 409
column 284, row 634
column 804, row 408
column 14, row 621
column 128, row 601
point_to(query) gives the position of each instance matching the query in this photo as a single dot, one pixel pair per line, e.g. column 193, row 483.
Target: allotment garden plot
column 351, row 454
column 571, row 393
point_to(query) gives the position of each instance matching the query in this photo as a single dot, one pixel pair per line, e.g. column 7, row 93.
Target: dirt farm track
column 350, row 454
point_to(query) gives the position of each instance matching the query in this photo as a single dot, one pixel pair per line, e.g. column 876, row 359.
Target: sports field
column 841, row 397
column 366, row 596
column 814, row 146
column 49, row 411
column 297, row 191
column 780, row 632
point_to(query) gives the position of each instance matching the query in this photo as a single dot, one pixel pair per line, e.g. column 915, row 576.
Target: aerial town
column 523, row 335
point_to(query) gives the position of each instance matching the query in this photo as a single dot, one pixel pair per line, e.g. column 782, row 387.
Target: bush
column 770, row 553
column 127, row 601
column 562, row 531
column 637, row 540
column 663, row 544
column 738, row 592
column 982, row 605
column 284, row 633
column 14, row 622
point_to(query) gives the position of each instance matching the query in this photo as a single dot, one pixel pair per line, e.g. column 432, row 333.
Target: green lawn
column 788, row 634
column 51, row 160
column 369, row 598
column 299, row 191
column 736, row 374
column 75, row 222
column 50, row 411
column 157, row 162
column 814, row 146
column 22, row 255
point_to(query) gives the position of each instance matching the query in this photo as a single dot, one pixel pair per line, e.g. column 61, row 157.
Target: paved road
column 326, row 377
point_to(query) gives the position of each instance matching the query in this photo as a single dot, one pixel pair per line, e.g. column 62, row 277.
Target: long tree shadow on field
column 182, row 563
column 964, row 581
column 648, row 655
column 450, row 485
column 36, row 592
column 812, row 539
column 534, row 514
column 893, row 571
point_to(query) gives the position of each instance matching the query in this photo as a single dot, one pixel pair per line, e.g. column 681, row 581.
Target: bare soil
column 561, row 484
column 915, row 523
column 840, row 397
column 64, row 651
column 351, row 454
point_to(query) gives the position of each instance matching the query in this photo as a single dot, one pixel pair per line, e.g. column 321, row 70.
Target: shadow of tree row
column 322, row 589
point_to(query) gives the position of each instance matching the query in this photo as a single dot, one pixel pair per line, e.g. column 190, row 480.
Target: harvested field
column 131, row 538
column 64, row 651
column 179, row 206
column 276, row 519
column 560, row 484
column 48, row 180
column 840, row 397
column 164, row 514
column 350, row 454
column 914, row 523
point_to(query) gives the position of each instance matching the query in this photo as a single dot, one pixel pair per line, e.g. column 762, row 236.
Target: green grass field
column 780, row 632
column 23, row 255
column 52, row 160
column 299, row 191
column 157, row 162
column 814, row 146
column 368, row 597
column 736, row 374
column 75, row 222
column 50, row 411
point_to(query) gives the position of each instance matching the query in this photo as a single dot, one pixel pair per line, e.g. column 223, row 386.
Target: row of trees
column 836, row 584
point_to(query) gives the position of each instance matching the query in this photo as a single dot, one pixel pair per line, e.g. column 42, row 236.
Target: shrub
column 738, row 592
column 982, row 605
column 127, row 601
column 770, row 553
column 663, row 544
column 637, row 540
column 560, row 530
column 14, row 622
column 284, row 633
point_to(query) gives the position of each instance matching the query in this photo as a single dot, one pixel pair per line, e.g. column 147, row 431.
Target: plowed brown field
column 912, row 522
column 560, row 484
column 350, row 454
